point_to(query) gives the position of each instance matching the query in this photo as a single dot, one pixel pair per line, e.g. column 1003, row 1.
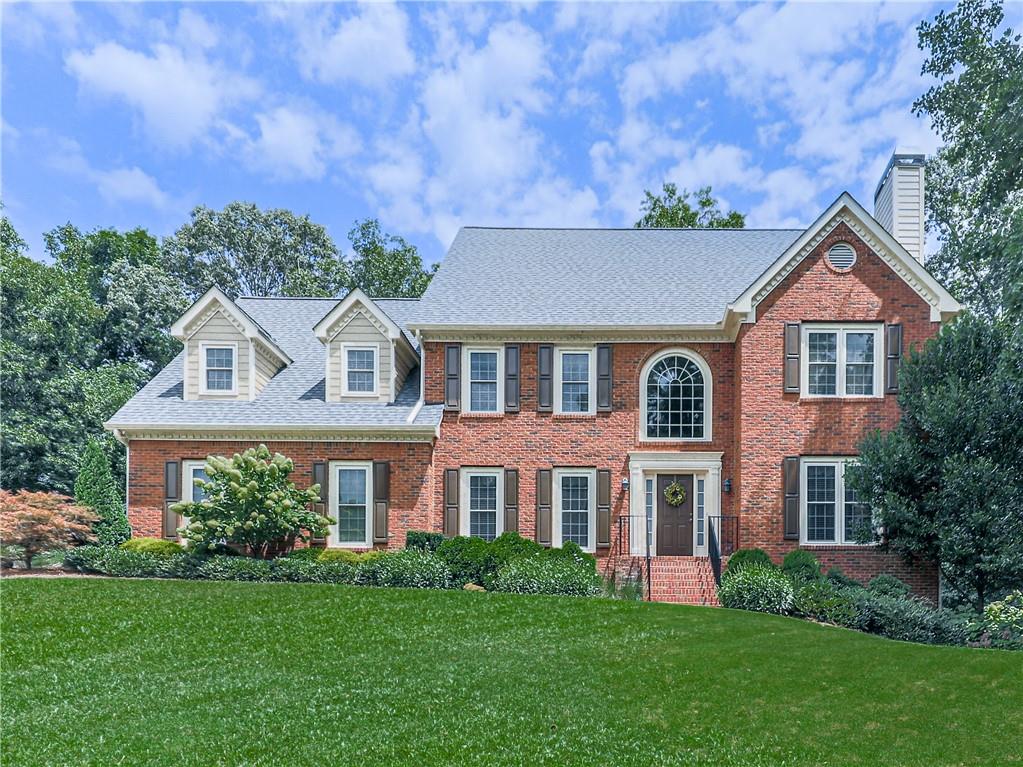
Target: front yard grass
column 102, row 672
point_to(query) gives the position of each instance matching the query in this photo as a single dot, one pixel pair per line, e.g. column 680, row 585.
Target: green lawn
column 104, row 672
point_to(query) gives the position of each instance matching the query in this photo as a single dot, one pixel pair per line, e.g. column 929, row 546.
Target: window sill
column 837, row 546
column 574, row 416
column 463, row 414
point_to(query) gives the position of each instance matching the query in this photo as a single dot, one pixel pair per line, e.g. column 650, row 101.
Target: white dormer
column 368, row 357
column 228, row 356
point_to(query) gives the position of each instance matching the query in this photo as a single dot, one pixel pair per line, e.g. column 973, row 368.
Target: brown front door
column 675, row 523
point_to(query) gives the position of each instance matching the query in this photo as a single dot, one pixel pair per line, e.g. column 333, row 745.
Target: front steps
column 680, row 580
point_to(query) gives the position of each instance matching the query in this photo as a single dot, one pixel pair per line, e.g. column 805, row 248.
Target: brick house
column 658, row 396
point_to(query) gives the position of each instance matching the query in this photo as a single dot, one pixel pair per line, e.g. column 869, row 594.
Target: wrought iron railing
column 624, row 542
column 723, row 540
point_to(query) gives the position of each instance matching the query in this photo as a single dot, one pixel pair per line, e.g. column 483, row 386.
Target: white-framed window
column 830, row 512
column 190, row 489
column 483, row 380
column 351, row 504
column 218, row 363
column 481, row 494
column 359, row 370
column 575, row 514
column 575, row 381
column 841, row 360
column 676, row 398
column 701, row 511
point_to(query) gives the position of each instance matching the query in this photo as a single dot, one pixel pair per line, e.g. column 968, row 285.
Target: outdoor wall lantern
column 728, row 485
column 625, row 483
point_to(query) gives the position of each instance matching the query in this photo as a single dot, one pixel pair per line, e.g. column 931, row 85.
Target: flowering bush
column 31, row 523
column 757, row 587
column 251, row 501
column 1002, row 625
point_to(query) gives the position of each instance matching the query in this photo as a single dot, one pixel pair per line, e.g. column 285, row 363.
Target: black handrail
column 723, row 540
column 625, row 539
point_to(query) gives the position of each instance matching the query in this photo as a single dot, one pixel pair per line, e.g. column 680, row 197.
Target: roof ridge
column 322, row 298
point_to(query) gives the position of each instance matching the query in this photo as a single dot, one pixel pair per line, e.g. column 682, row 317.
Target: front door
column 675, row 522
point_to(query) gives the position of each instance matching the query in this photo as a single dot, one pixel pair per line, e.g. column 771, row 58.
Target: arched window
column 676, row 397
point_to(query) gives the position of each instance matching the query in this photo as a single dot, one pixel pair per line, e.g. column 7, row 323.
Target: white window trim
column 591, row 382
column 467, row 383
column 347, row 347
column 591, row 535
column 840, row 464
column 334, row 487
column 463, row 496
column 842, row 330
column 203, row 346
column 708, row 397
column 187, row 486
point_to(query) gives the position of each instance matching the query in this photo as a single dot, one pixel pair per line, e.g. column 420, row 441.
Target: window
column 842, row 361
column 701, row 511
column 482, row 390
column 831, row 512
column 676, row 398
column 481, row 493
column 193, row 470
column 575, row 518
column 575, row 381
column 359, row 376
column 218, row 368
column 351, row 497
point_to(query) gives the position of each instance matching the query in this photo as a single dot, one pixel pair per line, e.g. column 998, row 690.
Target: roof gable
column 355, row 303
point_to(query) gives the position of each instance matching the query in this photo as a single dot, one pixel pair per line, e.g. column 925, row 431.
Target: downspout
column 422, row 381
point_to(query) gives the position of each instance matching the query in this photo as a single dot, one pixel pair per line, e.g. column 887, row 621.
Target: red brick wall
column 411, row 483
column 773, row 424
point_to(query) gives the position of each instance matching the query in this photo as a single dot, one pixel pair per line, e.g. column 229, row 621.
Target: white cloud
column 32, row 24
column 293, row 143
column 115, row 185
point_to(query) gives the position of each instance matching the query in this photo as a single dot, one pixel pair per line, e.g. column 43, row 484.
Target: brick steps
column 683, row 580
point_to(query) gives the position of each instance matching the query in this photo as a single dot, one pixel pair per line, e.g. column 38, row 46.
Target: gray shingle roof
column 596, row 277
column 295, row 396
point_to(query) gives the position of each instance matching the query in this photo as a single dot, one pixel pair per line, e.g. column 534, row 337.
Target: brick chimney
column 899, row 200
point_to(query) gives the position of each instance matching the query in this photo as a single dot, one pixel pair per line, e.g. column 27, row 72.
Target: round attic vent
column 841, row 256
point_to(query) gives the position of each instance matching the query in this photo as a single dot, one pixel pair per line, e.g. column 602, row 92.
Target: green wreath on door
column 675, row 494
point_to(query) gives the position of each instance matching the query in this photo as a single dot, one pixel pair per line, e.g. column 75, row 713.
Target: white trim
column 422, row 386
column 591, row 383
column 233, row 312
column 463, row 495
column 188, row 485
column 233, row 345
column 349, row 301
column 253, row 367
column 708, row 396
column 840, row 463
column 591, row 512
column 375, row 349
column 841, row 330
column 278, row 432
column 467, row 382
column 334, row 467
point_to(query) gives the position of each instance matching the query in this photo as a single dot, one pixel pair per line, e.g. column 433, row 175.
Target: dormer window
column 219, row 373
column 360, row 376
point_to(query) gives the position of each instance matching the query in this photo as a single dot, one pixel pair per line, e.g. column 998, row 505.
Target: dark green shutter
column 381, row 499
column 511, row 378
column 511, row 500
column 604, row 367
column 320, row 478
column 451, row 502
column 544, row 512
column 790, row 473
column 171, row 495
column 545, row 378
column 791, row 361
column 452, row 376
column 893, row 358
column 603, row 508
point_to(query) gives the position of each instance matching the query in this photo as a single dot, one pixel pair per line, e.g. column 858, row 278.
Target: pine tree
column 95, row 488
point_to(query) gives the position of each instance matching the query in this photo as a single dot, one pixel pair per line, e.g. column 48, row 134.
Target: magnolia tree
column 31, row 523
column 250, row 501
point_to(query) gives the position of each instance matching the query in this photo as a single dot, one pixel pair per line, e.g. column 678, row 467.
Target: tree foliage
column 673, row 209
column 33, row 522
column 385, row 264
column 946, row 484
column 975, row 181
column 251, row 500
column 96, row 489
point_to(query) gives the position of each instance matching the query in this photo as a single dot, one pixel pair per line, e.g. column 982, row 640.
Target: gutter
column 422, row 384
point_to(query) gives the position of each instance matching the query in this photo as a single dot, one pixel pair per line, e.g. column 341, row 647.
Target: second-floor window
column 218, row 373
column 841, row 361
column 360, row 370
column 482, row 389
column 676, row 398
column 575, row 381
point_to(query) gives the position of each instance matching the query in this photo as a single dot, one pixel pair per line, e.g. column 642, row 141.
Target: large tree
column 385, row 264
column 673, row 209
column 975, row 181
column 946, row 484
column 244, row 250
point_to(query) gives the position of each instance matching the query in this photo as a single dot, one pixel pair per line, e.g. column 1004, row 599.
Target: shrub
column 888, row 585
column 306, row 554
column 746, row 557
column 422, row 540
column 801, row 566
column 548, row 575
column 157, row 546
column 409, row 568
column 88, row 559
column 508, row 546
column 95, row 489
column 757, row 587
column 822, row 601
column 467, row 558
column 907, row 618
column 836, row 577
column 222, row 568
column 305, row 570
column 251, row 501
column 1002, row 625
column 125, row 563
column 31, row 523
column 346, row 556
column 573, row 552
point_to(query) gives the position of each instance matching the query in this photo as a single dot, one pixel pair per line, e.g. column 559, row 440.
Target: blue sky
column 434, row 116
